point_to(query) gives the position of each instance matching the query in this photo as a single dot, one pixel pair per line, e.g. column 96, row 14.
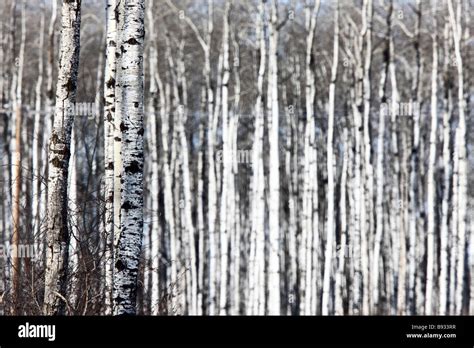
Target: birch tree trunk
column 59, row 154
column 38, row 138
column 17, row 167
column 189, row 225
column 444, row 228
column 431, row 189
column 383, row 112
column 367, row 211
column 310, row 162
column 170, row 224
column 109, row 122
column 131, row 89
column 73, row 271
column 273, row 304
column 413, row 193
column 153, row 149
column 330, row 227
column 460, row 151
column 256, row 263
column 212, row 195
column 226, row 171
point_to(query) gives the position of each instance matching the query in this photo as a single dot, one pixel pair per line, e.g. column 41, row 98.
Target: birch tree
column 109, row 122
column 59, row 154
column 330, row 228
column 131, row 89
column 431, row 168
column 273, row 306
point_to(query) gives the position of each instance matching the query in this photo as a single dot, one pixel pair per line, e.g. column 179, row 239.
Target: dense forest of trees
column 236, row 157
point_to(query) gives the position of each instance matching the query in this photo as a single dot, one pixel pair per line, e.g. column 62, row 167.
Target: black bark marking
column 56, row 162
column 70, row 85
column 132, row 41
column 119, row 265
column 111, row 83
column 133, row 168
column 127, row 206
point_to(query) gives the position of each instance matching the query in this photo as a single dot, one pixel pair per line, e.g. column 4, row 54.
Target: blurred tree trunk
column 331, row 161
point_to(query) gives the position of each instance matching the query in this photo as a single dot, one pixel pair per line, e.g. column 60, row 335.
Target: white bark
column 59, row 153
column 431, row 189
column 17, row 165
column 274, row 247
column 152, row 146
column 460, row 151
column 73, row 225
column 130, row 85
column 109, row 125
column 38, row 128
column 444, row 228
column 330, row 227
column 367, row 210
column 226, row 196
column 257, row 262
column 413, row 197
column 310, row 213
column 379, row 228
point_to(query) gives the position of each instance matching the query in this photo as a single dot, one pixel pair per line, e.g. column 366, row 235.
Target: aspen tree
column 73, row 223
column 38, row 127
column 256, row 263
column 367, row 211
column 444, row 228
column 330, row 237
column 414, row 159
column 152, row 147
column 109, row 124
column 235, row 210
column 460, row 151
column 131, row 89
column 189, row 225
column 17, row 166
column 59, row 154
column 431, row 195
column 310, row 164
column 170, row 222
column 379, row 228
column 225, row 228
column 273, row 304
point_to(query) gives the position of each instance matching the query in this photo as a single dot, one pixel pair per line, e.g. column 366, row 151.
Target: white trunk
column 154, row 167
column 109, row 125
column 309, row 208
column 444, row 228
column 38, row 129
column 274, row 247
column 379, row 228
column 130, row 86
column 59, row 153
column 257, row 262
column 431, row 188
column 330, row 227
column 413, row 197
column 73, row 225
column 226, row 197
column 460, row 152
